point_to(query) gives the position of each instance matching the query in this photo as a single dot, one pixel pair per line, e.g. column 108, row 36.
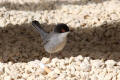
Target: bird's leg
column 50, row 58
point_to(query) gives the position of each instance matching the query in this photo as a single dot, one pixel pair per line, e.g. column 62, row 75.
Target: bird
column 55, row 40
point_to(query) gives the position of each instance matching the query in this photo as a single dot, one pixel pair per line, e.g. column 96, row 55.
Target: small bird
column 54, row 41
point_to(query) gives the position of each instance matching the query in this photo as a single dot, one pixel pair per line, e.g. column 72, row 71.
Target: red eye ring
column 63, row 30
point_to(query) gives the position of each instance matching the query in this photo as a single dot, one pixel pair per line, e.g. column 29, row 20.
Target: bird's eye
column 63, row 30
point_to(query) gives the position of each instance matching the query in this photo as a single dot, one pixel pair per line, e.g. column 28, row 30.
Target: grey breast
column 56, row 43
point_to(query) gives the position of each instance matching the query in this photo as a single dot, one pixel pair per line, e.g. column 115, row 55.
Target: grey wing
column 47, row 39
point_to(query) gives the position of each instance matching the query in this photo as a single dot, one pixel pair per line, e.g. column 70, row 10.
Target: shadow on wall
column 20, row 43
column 45, row 5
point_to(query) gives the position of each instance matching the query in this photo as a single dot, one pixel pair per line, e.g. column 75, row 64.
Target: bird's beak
column 67, row 32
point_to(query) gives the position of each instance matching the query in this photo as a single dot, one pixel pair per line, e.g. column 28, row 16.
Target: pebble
column 85, row 67
column 110, row 63
column 79, row 58
column 8, row 78
column 71, row 60
column 97, row 64
column 94, row 77
column 1, row 68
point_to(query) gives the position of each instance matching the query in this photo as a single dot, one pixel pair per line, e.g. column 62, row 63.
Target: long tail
column 38, row 27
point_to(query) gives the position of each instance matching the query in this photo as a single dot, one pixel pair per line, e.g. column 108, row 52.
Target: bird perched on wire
column 54, row 41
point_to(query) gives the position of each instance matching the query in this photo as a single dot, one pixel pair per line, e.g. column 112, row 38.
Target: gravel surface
column 92, row 51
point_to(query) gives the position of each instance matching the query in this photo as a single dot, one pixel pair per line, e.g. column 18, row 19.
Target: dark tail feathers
column 38, row 27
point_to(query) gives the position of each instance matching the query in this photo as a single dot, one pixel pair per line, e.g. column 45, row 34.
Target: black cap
column 61, row 28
